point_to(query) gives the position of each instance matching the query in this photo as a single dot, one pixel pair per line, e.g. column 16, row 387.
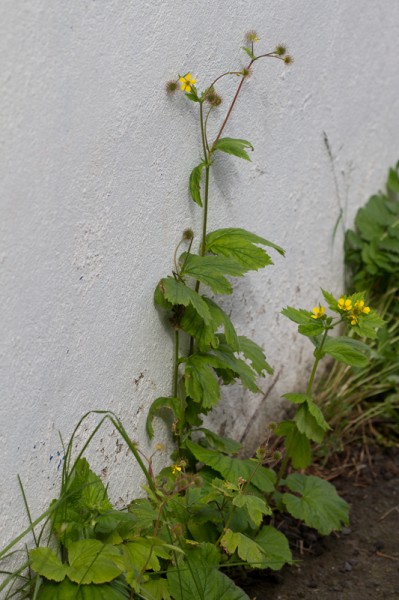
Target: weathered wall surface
column 94, row 167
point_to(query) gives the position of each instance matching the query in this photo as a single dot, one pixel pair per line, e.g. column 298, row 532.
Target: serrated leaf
column 318, row 415
column 298, row 315
column 144, row 512
column 255, row 355
column 296, row 398
column 219, row 317
column 308, row 425
column 46, row 563
column 297, row 445
column 200, row 380
column 170, row 403
column 156, row 589
column 234, row 468
column 196, row 327
column 211, row 271
column 66, row 590
column 240, row 369
column 242, row 246
column 178, row 293
column 254, row 506
column 312, row 329
column 246, row 548
column 275, row 547
column 91, row 561
column 198, row 578
column 233, row 146
column 195, row 183
column 346, row 350
column 222, row 444
column 318, row 503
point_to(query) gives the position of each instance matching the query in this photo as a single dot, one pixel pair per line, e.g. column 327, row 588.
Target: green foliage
column 364, row 398
column 315, row 502
column 209, row 509
column 233, row 146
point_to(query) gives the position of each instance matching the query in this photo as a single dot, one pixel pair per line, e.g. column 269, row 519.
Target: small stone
column 346, row 530
column 348, row 566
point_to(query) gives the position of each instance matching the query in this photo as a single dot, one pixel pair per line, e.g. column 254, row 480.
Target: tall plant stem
column 231, row 106
column 286, row 459
column 176, row 365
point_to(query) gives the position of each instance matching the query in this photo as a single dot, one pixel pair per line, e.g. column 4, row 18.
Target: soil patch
column 360, row 562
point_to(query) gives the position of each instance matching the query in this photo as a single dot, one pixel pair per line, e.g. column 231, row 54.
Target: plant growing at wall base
column 362, row 401
column 209, row 513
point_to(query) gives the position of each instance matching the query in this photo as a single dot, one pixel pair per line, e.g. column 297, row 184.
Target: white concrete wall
column 94, row 166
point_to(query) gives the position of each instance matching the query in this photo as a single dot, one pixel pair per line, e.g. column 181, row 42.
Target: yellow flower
column 176, row 469
column 359, row 307
column 187, row 82
column 345, row 304
column 318, row 312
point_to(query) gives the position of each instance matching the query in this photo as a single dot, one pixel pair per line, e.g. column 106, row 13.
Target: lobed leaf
column 316, row 503
column 211, row 271
column 178, row 293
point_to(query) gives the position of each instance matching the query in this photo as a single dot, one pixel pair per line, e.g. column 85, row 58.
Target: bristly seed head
column 281, row 49
column 246, row 72
column 188, row 234
column 251, row 36
column 171, row 87
column 288, row 60
column 213, row 98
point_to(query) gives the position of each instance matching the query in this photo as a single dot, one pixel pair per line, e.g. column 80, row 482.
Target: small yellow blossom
column 318, row 312
column 345, row 304
column 187, row 82
column 359, row 307
column 176, row 469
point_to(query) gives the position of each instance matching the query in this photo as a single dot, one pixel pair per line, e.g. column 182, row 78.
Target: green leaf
column 296, row 398
column 156, row 588
column 234, row 468
column 246, row 548
column 316, row 503
column 72, row 591
column 144, row 512
column 46, row 563
column 211, row 271
column 312, row 329
column 220, row 318
column 254, row 506
column 223, row 444
column 368, row 325
column 255, row 355
column 241, row 245
column 178, row 293
column 236, row 147
column 196, row 327
column 195, row 183
column 275, row 546
column 308, row 425
column 248, row 51
column 200, row 380
column 318, row 415
column 170, row 403
column 393, row 181
column 297, row 445
column 346, row 350
column 91, row 561
column 200, row 579
column 239, row 368
column 299, row 316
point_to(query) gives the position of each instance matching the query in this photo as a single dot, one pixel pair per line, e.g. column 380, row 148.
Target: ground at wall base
column 361, row 562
